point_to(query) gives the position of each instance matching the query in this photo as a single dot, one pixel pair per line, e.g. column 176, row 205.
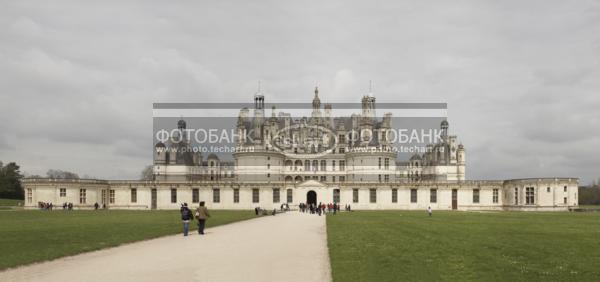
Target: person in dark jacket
column 186, row 216
column 202, row 215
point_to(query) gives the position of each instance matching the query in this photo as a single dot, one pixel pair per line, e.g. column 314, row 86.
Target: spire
column 316, row 101
column 370, row 94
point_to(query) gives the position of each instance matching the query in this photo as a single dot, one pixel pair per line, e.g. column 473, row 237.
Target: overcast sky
column 521, row 78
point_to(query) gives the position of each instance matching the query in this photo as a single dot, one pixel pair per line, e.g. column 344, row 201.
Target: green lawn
column 594, row 207
column 10, row 202
column 32, row 236
column 464, row 246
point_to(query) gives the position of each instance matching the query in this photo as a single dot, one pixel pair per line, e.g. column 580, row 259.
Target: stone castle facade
column 321, row 158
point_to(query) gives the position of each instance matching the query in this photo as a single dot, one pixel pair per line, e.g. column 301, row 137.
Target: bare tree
column 61, row 174
column 147, row 173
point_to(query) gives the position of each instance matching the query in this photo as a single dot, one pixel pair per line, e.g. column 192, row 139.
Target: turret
column 160, row 154
column 316, row 106
column 259, row 114
column 444, row 126
column 461, row 162
column 329, row 122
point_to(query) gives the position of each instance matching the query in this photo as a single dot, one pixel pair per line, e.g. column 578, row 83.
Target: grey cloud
column 520, row 78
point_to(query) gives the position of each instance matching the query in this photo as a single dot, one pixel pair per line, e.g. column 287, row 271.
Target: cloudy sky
column 521, row 78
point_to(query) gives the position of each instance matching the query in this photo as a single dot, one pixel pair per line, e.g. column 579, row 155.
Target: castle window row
column 314, row 165
column 529, row 194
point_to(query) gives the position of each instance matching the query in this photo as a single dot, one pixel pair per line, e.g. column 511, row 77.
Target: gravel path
column 286, row 247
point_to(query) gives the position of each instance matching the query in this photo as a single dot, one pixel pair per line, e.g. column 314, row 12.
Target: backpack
column 186, row 214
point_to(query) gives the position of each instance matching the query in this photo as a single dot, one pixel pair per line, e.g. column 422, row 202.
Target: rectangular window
column 290, row 197
column 342, row 150
column 323, row 178
column 333, row 165
column 104, row 198
column 495, row 196
column 195, row 195
column 173, row 196
column 372, row 195
column 475, row 196
column 394, row 195
column 529, row 196
column 255, row 196
column 133, row 195
column 323, row 165
column 29, row 195
column 236, row 195
column 413, row 195
column 111, row 196
column 216, row 195
column 565, row 200
column 333, row 178
column 379, row 177
column 379, row 163
column 548, row 189
column 516, row 196
column 386, row 178
column 342, row 178
column 336, row 195
column 82, row 196
column 342, row 165
column 387, row 163
column 276, row 196
column 565, row 189
column 355, row 195
column 63, row 192
column 433, row 195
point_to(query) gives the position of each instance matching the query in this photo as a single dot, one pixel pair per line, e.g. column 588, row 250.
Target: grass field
column 32, row 236
column 594, row 207
column 464, row 246
column 10, row 203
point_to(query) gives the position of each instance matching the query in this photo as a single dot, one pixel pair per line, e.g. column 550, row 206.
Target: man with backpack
column 201, row 214
column 186, row 216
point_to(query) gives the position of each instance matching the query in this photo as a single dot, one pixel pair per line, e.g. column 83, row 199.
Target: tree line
column 589, row 195
column 11, row 176
column 10, row 181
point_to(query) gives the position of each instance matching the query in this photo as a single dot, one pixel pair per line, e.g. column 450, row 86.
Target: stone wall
column 549, row 194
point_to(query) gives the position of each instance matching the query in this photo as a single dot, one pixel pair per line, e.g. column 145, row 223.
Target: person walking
column 429, row 210
column 202, row 215
column 186, row 216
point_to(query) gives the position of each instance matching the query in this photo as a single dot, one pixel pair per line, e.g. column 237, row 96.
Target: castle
column 284, row 159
